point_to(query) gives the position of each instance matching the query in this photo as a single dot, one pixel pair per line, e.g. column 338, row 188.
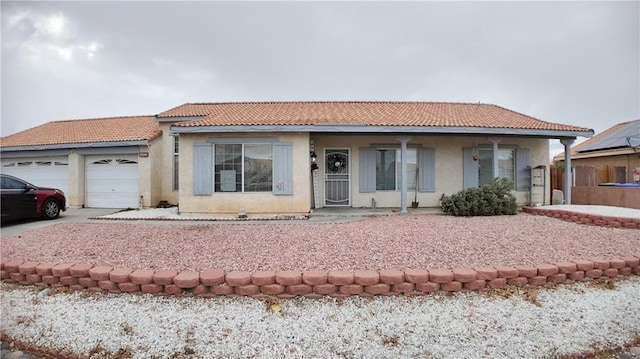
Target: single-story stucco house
column 257, row 157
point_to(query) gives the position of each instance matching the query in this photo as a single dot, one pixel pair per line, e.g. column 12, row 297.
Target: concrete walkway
column 597, row 210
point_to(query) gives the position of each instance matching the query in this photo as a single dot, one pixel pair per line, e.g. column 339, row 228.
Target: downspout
column 403, row 173
column 567, row 142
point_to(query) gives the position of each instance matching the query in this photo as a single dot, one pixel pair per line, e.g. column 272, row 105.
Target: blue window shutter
column 427, row 170
column 367, row 170
column 470, row 169
column 283, row 168
column 202, row 169
column 523, row 173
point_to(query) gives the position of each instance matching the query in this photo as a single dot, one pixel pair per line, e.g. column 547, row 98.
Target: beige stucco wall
column 149, row 174
column 252, row 203
column 449, row 165
column 75, row 196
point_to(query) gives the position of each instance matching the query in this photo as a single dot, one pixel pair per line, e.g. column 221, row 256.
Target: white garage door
column 45, row 172
column 112, row 181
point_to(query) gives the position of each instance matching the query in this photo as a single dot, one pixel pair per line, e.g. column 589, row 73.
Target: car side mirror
column 26, row 189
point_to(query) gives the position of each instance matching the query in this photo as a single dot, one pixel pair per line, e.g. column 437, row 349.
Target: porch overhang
column 366, row 129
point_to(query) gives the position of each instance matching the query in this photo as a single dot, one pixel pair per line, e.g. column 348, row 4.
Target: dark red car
column 21, row 199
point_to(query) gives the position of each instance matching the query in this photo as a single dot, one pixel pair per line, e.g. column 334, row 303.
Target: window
column 10, row 183
column 243, row 168
column 102, row 162
column 506, row 165
column 176, row 148
column 389, row 170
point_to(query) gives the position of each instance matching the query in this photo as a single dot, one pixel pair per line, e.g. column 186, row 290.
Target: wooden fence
column 589, row 176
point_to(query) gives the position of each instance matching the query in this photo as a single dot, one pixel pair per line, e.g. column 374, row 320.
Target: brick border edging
column 585, row 218
column 313, row 284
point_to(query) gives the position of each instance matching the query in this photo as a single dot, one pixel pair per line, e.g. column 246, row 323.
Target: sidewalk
column 336, row 214
column 596, row 210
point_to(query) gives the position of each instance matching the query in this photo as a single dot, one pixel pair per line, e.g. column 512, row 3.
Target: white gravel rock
column 568, row 319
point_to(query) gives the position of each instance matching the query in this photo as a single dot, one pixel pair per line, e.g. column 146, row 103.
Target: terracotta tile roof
column 114, row 129
column 426, row 114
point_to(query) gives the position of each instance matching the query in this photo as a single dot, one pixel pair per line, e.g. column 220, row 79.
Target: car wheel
column 50, row 209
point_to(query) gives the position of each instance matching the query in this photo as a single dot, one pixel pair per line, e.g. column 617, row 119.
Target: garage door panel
column 45, row 172
column 112, row 182
column 111, row 200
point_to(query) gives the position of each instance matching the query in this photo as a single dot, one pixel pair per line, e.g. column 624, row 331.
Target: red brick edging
column 584, row 218
column 309, row 284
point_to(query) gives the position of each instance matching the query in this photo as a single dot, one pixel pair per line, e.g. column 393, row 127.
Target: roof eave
column 75, row 145
column 598, row 153
column 174, row 119
column 384, row 129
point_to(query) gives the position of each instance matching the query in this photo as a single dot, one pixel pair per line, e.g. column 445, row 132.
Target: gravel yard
column 386, row 242
column 543, row 323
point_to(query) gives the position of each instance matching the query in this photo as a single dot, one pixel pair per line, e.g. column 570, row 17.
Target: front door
column 336, row 177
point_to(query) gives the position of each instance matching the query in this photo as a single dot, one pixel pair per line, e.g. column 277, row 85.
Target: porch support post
column 403, row 172
column 567, row 142
column 496, row 169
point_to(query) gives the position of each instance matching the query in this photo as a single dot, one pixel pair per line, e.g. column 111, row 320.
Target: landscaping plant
column 491, row 199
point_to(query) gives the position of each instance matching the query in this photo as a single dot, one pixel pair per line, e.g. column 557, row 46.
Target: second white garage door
column 112, row 181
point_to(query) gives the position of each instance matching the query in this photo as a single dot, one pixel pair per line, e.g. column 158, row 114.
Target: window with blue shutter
column 282, row 168
column 523, row 172
column 427, row 170
column 202, row 169
column 470, row 169
column 367, row 170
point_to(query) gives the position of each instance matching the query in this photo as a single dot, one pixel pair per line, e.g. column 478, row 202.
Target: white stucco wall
column 252, row 203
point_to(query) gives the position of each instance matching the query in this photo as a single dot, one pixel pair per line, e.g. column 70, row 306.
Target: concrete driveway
column 74, row 215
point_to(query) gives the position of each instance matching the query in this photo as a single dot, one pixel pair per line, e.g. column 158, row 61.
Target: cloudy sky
column 569, row 62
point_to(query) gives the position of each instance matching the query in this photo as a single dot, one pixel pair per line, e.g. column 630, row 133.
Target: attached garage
column 111, row 181
column 44, row 172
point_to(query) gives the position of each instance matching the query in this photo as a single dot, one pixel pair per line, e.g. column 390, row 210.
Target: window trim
column 397, row 169
column 242, row 167
column 425, row 162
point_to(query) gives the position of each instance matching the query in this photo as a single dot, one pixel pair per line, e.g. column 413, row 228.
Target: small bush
column 492, row 199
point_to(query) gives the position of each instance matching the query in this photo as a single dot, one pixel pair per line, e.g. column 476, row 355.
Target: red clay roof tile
column 418, row 114
column 113, row 129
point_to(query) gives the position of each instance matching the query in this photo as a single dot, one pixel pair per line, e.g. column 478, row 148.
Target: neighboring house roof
column 108, row 131
column 610, row 142
column 419, row 116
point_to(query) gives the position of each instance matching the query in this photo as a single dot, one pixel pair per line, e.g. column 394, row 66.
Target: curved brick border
column 309, row 284
column 585, row 218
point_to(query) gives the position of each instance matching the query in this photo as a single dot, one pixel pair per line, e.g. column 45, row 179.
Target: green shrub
column 492, row 199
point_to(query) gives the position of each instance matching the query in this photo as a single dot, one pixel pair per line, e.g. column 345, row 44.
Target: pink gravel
column 392, row 242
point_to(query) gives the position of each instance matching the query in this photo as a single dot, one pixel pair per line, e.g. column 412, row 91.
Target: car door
column 18, row 199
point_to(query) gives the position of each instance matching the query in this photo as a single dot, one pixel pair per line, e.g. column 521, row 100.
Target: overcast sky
column 575, row 63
